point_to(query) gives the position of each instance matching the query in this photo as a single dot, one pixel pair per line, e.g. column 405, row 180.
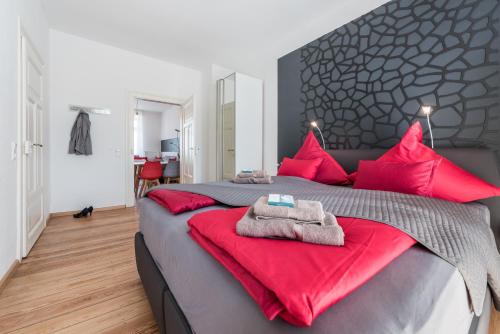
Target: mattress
column 417, row 293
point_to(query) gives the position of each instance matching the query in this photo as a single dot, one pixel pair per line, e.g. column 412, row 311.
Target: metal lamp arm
column 322, row 139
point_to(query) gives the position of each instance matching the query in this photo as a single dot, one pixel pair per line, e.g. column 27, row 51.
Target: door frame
column 129, row 137
column 19, row 151
column 194, row 148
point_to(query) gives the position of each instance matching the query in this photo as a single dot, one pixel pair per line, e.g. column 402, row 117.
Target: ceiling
column 188, row 32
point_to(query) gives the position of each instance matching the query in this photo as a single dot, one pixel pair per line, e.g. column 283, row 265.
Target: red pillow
column 180, row 201
column 451, row 183
column 329, row 172
column 306, row 169
column 409, row 142
column 408, row 178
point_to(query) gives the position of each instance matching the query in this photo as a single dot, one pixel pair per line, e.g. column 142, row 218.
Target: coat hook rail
column 90, row 110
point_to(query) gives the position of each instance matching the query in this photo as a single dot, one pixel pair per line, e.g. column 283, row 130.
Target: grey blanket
column 458, row 233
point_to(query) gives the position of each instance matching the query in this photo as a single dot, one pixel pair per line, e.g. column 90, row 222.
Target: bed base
column 171, row 319
column 168, row 315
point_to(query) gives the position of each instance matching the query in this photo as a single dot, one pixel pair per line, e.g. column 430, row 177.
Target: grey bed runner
column 458, row 233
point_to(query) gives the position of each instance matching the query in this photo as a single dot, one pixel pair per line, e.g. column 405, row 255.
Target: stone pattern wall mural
column 365, row 82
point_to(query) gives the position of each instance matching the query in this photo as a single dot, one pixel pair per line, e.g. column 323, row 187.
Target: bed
column 418, row 292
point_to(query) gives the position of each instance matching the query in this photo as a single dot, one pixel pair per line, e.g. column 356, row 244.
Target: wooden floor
column 495, row 322
column 79, row 278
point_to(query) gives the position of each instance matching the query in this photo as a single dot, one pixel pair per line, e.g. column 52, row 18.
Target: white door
column 187, row 143
column 33, row 221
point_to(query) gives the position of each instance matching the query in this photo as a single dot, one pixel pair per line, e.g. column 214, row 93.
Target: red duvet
column 294, row 280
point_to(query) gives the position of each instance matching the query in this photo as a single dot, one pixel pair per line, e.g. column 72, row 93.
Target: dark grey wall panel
column 365, row 82
column 289, row 125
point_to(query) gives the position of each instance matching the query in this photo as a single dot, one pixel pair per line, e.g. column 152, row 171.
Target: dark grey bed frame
column 172, row 320
column 168, row 315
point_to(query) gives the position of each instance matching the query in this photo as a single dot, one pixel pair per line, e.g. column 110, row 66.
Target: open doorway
column 158, row 141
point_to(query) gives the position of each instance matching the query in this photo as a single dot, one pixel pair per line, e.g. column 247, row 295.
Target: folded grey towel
column 254, row 173
column 306, row 212
column 330, row 233
column 253, row 180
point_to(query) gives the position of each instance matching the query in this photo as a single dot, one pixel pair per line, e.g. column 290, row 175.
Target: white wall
column 35, row 25
column 151, row 134
column 169, row 122
column 89, row 73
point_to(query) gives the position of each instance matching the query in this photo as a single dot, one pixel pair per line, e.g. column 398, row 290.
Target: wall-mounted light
column 427, row 112
column 315, row 125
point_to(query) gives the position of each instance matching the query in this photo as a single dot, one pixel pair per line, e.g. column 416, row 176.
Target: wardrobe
column 239, row 124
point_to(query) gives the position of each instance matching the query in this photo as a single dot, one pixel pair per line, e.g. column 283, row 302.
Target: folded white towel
column 253, row 180
column 330, row 233
column 305, row 212
column 254, row 173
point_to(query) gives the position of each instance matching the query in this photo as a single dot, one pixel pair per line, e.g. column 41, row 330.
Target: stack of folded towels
column 306, row 221
column 253, row 177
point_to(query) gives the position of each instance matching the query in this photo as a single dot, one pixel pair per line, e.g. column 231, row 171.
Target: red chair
column 150, row 175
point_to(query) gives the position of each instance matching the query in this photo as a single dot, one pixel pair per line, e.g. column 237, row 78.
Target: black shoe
column 82, row 213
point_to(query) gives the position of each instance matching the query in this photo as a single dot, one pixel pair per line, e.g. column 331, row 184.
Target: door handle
column 28, row 147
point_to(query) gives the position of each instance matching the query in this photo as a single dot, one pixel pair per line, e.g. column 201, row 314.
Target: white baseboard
column 70, row 213
column 5, row 279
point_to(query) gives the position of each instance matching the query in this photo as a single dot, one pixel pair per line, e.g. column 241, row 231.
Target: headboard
column 480, row 162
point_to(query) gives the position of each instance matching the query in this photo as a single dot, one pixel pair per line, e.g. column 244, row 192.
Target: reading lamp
column 315, row 125
column 427, row 112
